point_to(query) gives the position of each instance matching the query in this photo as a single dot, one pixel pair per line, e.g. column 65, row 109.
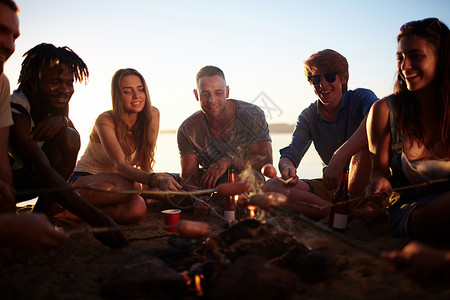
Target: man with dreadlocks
column 43, row 142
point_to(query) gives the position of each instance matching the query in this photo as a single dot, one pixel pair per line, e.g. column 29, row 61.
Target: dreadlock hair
column 48, row 54
column 145, row 130
column 407, row 112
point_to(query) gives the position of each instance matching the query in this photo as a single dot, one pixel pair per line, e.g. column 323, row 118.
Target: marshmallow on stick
column 269, row 170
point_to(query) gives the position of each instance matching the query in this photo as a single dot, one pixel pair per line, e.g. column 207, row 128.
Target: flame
column 198, row 284
column 188, row 279
column 252, row 208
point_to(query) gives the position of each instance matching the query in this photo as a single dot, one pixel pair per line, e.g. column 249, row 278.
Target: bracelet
column 151, row 180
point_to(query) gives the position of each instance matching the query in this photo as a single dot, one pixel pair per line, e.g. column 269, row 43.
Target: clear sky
column 260, row 45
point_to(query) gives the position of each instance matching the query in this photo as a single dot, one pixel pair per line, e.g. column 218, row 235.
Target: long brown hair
column 407, row 112
column 145, row 130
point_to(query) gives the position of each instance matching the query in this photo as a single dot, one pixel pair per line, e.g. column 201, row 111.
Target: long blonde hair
column 145, row 130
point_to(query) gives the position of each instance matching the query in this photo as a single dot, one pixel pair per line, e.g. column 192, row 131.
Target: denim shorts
column 400, row 210
column 77, row 175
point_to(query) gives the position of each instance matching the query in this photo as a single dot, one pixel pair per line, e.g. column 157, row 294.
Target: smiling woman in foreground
column 409, row 133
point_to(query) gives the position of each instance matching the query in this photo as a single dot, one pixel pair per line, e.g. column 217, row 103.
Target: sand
column 77, row 269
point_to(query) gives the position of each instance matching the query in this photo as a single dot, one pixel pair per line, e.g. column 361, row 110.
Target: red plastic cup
column 171, row 219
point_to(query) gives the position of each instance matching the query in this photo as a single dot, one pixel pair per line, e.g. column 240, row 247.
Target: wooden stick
column 399, row 189
column 86, row 187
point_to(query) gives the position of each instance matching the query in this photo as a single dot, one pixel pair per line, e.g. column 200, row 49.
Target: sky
column 260, row 45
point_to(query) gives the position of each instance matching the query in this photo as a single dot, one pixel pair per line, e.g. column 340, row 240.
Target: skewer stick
column 269, row 170
column 365, row 199
column 87, row 187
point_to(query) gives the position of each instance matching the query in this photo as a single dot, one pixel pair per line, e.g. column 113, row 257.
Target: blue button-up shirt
column 328, row 136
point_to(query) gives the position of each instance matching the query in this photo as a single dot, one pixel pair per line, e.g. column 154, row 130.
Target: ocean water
column 167, row 158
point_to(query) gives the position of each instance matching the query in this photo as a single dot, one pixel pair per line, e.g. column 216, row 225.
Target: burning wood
column 246, row 257
column 198, row 284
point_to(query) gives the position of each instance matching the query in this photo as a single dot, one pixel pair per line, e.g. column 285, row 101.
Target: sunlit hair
column 209, row 71
column 328, row 61
column 436, row 33
column 47, row 54
column 145, row 130
column 11, row 4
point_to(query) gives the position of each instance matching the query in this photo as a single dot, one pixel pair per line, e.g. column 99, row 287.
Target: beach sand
column 78, row 269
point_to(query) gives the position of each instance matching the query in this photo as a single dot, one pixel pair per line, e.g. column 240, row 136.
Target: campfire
column 251, row 260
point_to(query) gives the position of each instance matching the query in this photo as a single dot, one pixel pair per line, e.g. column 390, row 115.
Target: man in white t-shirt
column 25, row 232
column 9, row 32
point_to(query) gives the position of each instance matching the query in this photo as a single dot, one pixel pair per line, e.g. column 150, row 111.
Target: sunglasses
column 316, row 79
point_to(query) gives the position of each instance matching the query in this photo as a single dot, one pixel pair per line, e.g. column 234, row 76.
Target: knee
column 136, row 212
column 69, row 140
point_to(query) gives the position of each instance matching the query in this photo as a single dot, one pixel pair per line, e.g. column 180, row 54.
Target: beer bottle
column 229, row 203
column 339, row 213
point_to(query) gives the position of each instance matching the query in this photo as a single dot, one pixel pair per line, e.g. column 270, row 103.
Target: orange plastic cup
column 171, row 219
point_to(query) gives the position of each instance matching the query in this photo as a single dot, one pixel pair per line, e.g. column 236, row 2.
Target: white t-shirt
column 5, row 107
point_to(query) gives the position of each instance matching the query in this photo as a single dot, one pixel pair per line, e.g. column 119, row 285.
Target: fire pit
column 251, row 259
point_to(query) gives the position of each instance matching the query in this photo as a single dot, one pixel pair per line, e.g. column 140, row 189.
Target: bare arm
column 106, row 131
column 36, row 162
column 379, row 136
column 288, row 170
column 49, row 127
column 260, row 153
column 189, row 172
column 6, row 183
column 27, row 233
column 343, row 154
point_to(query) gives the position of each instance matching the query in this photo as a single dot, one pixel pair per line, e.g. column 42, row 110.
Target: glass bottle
column 229, row 203
column 339, row 213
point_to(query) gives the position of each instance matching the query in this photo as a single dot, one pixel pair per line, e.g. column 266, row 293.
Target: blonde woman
column 121, row 149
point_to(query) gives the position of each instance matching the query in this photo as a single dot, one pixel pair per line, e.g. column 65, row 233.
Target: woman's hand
column 378, row 190
column 333, row 173
column 167, row 182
